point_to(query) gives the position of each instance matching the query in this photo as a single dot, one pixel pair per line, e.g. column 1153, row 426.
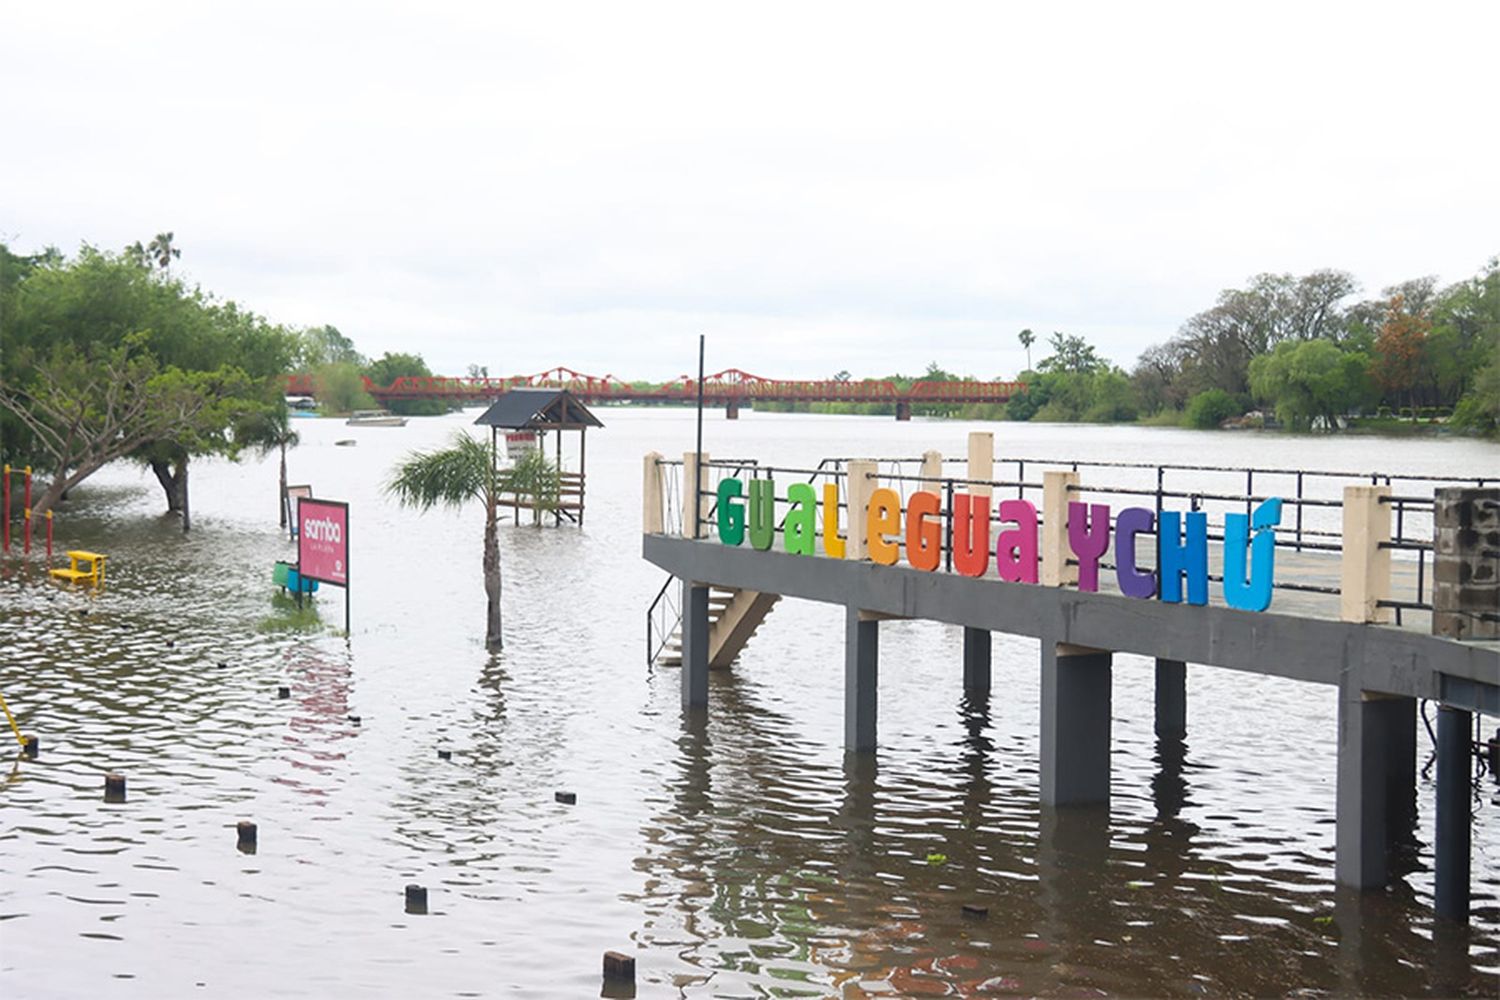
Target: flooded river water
column 739, row 857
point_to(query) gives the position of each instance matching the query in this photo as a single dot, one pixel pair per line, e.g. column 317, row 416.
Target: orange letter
column 884, row 518
column 924, row 536
column 833, row 545
column 971, row 534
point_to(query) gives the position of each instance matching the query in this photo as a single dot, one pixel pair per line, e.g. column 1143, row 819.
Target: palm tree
column 272, row 428
column 452, row 477
column 1027, row 339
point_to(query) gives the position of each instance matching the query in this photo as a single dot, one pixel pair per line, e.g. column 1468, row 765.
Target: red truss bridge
column 730, row 388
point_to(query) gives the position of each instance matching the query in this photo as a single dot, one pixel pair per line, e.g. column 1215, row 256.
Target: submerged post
column 1365, row 572
column 1075, row 729
column 694, row 644
column 861, row 679
column 1450, row 874
column 1171, row 699
column 980, row 471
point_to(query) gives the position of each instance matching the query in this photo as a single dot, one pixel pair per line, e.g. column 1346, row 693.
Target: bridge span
column 730, row 388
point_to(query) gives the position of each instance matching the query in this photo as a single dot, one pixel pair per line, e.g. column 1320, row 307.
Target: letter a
column 1015, row 548
column 800, row 530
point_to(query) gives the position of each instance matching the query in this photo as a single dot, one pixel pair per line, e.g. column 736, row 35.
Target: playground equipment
column 83, row 566
column 28, row 743
column 286, row 577
column 5, row 475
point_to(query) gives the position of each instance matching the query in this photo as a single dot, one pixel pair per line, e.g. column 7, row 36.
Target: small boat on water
column 375, row 418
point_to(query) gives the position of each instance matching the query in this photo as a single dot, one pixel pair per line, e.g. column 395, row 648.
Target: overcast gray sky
column 815, row 187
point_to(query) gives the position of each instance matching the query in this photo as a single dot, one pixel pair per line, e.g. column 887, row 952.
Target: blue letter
column 1176, row 557
column 1256, row 594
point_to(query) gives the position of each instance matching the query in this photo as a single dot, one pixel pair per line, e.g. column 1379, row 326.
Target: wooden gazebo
column 537, row 411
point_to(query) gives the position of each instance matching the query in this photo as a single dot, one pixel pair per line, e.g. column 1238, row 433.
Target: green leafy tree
column 340, row 388
column 455, row 476
column 1210, row 408
column 384, row 371
column 1310, row 381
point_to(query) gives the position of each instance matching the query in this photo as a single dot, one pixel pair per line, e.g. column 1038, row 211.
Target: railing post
column 1055, row 496
column 981, row 461
column 690, row 497
column 653, row 496
column 1365, row 578
column 861, row 482
column 932, row 471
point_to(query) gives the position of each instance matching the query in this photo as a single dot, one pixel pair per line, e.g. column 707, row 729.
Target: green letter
column 801, row 521
column 731, row 512
column 762, row 513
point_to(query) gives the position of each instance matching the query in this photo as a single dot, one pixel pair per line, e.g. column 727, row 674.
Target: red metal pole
column 26, row 532
column 49, row 538
column 5, row 508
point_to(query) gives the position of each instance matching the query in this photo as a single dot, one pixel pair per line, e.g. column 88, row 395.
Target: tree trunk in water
column 283, row 504
column 492, row 638
column 169, row 484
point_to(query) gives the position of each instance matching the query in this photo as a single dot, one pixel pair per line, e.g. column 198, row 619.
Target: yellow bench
column 83, row 567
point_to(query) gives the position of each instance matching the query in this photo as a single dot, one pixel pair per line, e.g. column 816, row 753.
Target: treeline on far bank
column 1285, row 349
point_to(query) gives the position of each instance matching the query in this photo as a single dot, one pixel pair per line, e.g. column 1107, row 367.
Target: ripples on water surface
column 738, row 857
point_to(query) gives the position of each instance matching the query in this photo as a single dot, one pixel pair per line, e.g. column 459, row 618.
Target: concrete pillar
column 932, row 471
column 1055, row 549
column 903, row 409
column 1365, row 575
column 694, row 645
column 1368, row 735
column 1451, row 847
column 1171, row 699
column 861, row 483
column 732, row 410
column 653, row 494
column 1466, row 563
column 1076, row 715
column 690, row 483
column 976, row 660
column 981, row 461
column 861, row 680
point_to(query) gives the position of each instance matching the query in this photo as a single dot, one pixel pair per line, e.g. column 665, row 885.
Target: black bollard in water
column 975, row 911
column 31, row 746
column 416, row 899
column 283, row 692
column 354, row 719
column 566, row 798
column 619, row 967
column 171, row 644
column 445, row 755
column 114, row 788
column 223, row 663
column 246, row 833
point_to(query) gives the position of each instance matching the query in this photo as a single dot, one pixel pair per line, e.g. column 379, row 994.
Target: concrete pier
column 976, row 660
column 1455, row 766
column 694, row 645
column 1171, row 698
column 861, row 680
column 1376, row 758
column 1075, row 729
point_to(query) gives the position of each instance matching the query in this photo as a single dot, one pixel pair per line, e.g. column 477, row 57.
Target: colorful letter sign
column 323, row 541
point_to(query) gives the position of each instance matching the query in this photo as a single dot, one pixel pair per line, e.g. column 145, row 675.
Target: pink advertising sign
column 323, row 540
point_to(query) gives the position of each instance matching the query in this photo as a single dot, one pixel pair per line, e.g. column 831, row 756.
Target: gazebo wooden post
column 583, row 433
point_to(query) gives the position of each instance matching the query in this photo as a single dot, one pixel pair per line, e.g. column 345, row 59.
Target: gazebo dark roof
column 539, row 410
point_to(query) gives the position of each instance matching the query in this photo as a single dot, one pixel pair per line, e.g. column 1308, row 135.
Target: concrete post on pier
column 690, row 484
column 694, row 644
column 1056, row 493
column 653, row 495
column 861, row 679
column 1365, row 571
column 1075, row 729
column 981, row 470
column 1171, row 699
column 932, row 471
column 1375, row 797
column 1452, row 834
column 861, row 483
column 1466, row 563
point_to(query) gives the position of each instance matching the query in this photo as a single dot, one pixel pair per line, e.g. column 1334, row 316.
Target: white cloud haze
column 815, row 187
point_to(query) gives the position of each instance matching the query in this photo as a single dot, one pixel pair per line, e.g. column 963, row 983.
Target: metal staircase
column 733, row 618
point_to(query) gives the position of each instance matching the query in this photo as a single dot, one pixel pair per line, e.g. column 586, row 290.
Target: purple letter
column 1088, row 536
column 1131, row 522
